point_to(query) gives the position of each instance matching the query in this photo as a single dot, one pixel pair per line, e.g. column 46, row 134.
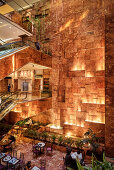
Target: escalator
column 8, row 102
column 14, row 47
column 11, row 48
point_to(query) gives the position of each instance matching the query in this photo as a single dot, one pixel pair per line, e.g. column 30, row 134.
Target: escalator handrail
column 5, row 45
column 12, row 93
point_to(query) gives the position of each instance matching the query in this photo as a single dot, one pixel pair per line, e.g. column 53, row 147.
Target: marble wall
column 109, row 90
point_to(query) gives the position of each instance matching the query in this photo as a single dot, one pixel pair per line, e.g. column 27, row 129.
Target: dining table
column 35, row 168
column 40, row 145
column 13, row 161
column 6, row 159
column 2, row 155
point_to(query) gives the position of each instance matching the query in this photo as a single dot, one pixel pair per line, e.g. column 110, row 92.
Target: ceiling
column 32, row 66
column 19, row 5
column 10, row 30
column 5, row 9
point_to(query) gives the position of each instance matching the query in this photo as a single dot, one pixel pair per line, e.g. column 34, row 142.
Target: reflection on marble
column 54, row 161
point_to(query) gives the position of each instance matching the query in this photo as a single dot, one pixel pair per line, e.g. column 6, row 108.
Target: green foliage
column 53, row 137
column 68, row 141
column 30, row 133
column 96, row 165
column 60, row 140
column 44, row 135
column 22, row 122
column 79, row 143
column 80, row 167
column 91, row 137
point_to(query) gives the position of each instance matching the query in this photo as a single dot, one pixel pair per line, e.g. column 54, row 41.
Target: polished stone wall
column 39, row 109
column 76, row 34
column 109, row 91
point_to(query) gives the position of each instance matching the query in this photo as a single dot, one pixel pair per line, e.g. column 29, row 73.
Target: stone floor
column 54, row 161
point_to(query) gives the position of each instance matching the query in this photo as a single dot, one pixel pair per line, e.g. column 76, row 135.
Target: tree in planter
column 92, row 139
column 53, row 137
column 60, row 140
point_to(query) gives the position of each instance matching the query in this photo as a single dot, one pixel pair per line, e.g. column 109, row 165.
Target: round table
column 35, row 168
column 40, row 145
column 7, row 158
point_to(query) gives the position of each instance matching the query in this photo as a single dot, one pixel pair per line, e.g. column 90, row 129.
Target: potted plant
column 60, row 140
column 79, row 144
column 91, row 138
column 44, row 135
column 53, row 137
column 68, row 141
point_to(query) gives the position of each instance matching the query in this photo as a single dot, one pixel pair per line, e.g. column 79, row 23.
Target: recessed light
column 0, row 22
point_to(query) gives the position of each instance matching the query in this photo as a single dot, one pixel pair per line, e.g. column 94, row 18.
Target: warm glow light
column 66, row 123
column 88, row 74
column 83, row 15
column 55, row 127
column 94, row 121
column 62, row 28
column 94, row 101
column 68, row 135
column 81, row 18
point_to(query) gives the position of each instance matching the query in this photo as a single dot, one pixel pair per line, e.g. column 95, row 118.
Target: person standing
column 9, row 87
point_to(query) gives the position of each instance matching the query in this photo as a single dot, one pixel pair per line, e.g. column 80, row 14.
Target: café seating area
column 24, row 150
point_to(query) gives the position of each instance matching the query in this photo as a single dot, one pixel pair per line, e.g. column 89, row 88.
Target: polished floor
column 54, row 160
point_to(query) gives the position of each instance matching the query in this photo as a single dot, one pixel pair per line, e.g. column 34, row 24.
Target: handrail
column 9, row 44
column 30, row 43
column 12, row 93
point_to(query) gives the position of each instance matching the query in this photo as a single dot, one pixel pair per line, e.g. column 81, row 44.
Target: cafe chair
column 43, row 164
column 49, row 148
column 14, row 153
column 2, row 167
column 8, row 148
column 36, row 151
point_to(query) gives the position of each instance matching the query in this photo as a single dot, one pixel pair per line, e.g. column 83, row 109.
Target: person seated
column 28, row 166
column 69, row 162
column 79, row 156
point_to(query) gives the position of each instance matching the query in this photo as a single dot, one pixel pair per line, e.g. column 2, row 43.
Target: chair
column 22, row 156
column 49, row 148
column 36, row 151
column 2, row 167
column 8, row 147
column 14, row 153
column 43, row 164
